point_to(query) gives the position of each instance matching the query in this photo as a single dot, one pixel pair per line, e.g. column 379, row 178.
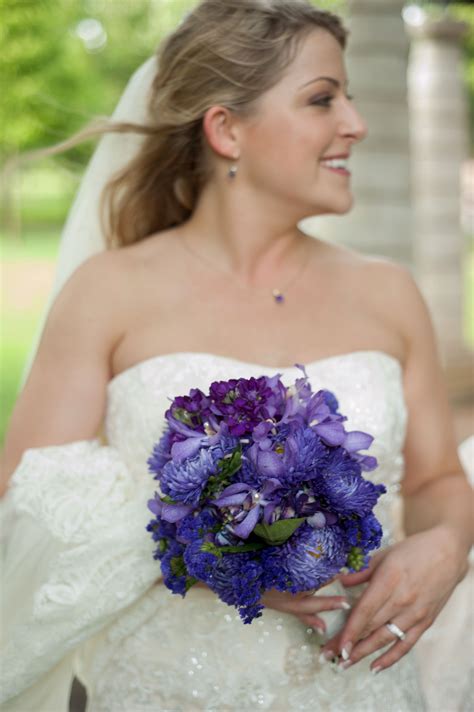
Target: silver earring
column 233, row 170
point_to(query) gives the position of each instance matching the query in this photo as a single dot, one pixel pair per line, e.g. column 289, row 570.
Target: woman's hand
column 305, row 606
column 408, row 585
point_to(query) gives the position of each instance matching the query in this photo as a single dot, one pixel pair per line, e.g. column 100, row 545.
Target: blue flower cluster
column 261, row 487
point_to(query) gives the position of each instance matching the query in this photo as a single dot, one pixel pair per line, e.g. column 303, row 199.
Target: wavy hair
column 226, row 53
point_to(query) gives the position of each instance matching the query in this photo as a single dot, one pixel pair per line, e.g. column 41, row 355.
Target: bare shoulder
column 383, row 292
column 105, row 279
column 370, row 271
column 95, row 273
column 395, row 286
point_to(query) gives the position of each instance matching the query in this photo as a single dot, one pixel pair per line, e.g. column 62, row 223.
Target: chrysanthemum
column 344, row 489
column 186, row 481
column 309, row 558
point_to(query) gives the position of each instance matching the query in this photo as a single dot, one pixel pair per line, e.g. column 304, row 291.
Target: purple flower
column 197, row 526
column 350, row 494
column 190, row 410
column 237, row 580
column 309, row 558
column 364, row 532
column 201, row 564
column 305, row 456
column 252, row 452
column 244, row 403
column 161, row 452
column 186, row 481
column 357, row 440
column 247, row 506
column 168, row 512
column 173, row 568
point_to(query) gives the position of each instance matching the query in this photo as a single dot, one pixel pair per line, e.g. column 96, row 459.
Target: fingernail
column 326, row 655
column 345, row 665
column 346, row 606
column 346, row 651
column 376, row 670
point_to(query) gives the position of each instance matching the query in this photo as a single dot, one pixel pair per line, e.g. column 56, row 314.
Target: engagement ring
column 396, row 630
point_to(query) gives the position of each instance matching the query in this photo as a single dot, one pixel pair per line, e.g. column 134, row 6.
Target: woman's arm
column 64, row 396
column 435, row 488
column 410, row 582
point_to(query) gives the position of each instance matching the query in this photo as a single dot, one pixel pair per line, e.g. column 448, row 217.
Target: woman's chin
column 344, row 206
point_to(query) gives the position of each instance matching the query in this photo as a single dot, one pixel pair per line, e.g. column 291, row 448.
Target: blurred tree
column 36, row 70
column 66, row 61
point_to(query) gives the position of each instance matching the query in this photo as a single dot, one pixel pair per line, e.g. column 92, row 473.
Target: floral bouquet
column 261, row 487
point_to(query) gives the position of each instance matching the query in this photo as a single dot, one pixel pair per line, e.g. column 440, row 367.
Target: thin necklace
column 278, row 294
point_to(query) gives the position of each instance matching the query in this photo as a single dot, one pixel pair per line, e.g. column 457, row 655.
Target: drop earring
column 233, row 170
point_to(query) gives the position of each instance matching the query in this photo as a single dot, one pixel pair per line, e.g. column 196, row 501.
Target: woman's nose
column 354, row 124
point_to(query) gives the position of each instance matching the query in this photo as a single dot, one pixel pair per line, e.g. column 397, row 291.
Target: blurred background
column 411, row 66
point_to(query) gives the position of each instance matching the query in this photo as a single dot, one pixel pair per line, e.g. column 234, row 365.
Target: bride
column 247, row 130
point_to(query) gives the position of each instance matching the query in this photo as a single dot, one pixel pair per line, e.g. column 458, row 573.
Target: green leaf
column 278, row 532
column 183, row 416
column 230, row 465
column 227, row 467
column 209, row 548
column 167, row 500
column 257, row 546
column 190, row 581
column 178, row 567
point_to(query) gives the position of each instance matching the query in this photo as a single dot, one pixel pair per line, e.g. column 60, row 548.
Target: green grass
column 39, row 244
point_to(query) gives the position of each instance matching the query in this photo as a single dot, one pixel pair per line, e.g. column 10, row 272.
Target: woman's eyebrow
column 336, row 82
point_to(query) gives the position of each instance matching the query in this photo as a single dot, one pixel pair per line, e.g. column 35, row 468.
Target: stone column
column 439, row 135
column 377, row 59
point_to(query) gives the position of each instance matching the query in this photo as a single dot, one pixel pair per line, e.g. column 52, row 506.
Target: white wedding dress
column 83, row 596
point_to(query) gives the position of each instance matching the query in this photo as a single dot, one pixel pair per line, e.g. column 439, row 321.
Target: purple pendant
column 278, row 296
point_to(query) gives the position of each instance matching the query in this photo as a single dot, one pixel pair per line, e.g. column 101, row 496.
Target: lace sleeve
column 76, row 554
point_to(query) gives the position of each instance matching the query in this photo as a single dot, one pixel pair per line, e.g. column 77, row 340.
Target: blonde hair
column 226, row 53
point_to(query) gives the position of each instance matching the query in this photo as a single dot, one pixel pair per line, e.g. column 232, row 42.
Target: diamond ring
column 396, row 630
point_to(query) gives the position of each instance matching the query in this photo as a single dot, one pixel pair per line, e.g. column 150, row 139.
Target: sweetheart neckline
column 248, row 364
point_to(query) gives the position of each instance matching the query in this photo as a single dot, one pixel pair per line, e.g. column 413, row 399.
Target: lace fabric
column 82, row 577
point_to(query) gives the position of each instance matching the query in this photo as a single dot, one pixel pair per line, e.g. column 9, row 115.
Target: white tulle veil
column 82, row 234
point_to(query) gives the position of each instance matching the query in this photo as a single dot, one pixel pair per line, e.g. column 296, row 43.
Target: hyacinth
column 190, row 410
column 260, row 487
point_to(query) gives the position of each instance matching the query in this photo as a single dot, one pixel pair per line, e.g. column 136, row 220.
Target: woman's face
column 301, row 122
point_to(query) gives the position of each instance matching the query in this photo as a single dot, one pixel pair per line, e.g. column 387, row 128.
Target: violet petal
column 246, row 527
column 332, row 432
column 357, row 440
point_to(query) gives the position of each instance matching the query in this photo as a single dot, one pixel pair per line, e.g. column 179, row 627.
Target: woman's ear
column 220, row 129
